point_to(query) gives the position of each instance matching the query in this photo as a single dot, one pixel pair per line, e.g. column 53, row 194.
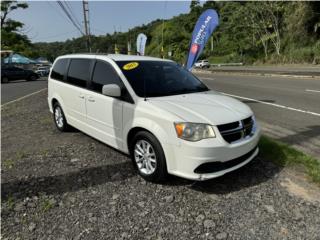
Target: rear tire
column 32, row 78
column 59, row 118
column 148, row 157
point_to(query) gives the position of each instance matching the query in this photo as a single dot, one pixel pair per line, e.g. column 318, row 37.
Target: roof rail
column 99, row 53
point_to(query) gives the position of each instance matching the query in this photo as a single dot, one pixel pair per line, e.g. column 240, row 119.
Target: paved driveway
column 17, row 89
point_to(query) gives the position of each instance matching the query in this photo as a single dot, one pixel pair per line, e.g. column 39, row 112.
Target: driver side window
column 104, row 74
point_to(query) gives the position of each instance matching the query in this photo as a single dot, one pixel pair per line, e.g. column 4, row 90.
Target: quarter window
column 59, row 69
column 104, row 74
column 79, row 72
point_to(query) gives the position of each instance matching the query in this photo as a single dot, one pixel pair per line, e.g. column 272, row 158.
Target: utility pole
column 86, row 22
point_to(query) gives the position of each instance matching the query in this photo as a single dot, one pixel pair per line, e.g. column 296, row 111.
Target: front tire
column 59, row 118
column 148, row 157
column 32, row 78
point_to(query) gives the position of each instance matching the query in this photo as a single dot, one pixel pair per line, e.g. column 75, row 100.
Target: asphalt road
column 287, row 108
column 297, row 70
column 17, row 89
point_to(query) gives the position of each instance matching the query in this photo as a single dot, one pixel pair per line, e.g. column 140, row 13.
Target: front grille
column 212, row 167
column 235, row 131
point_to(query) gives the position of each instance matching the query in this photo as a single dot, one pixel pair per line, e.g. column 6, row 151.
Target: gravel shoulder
column 70, row 186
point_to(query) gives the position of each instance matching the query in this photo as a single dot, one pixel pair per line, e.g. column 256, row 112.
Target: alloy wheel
column 58, row 116
column 145, row 157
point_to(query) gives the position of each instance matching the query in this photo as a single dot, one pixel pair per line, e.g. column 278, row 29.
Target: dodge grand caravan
column 156, row 111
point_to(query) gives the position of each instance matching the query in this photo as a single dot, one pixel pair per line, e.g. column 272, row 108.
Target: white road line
column 28, row 95
column 205, row 78
column 274, row 105
column 310, row 90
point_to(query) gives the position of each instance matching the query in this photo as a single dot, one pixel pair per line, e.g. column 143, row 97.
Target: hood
column 205, row 107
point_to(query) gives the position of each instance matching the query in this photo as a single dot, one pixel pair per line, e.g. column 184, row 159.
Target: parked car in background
column 9, row 72
column 202, row 64
column 43, row 71
column 154, row 110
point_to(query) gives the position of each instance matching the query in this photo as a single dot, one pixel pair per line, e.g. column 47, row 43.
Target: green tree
column 7, row 7
column 11, row 37
column 247, row 32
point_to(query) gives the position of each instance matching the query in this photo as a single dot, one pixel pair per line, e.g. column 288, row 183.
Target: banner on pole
column 141, row 44
column 206, row 24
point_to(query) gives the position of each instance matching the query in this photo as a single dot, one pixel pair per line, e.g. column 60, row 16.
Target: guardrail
column 226, row 64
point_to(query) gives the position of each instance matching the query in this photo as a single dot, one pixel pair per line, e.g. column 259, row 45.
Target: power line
column 57, row 10
column 71, row 12
column 69, row 16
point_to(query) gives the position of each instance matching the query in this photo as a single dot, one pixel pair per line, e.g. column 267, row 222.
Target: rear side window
column 59, row 69
column 79, row 72
column 104, row 74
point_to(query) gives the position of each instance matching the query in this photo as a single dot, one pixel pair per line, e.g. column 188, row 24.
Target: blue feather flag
column 206, row 24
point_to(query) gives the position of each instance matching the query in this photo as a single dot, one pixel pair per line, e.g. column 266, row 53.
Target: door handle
column 91, row 99
column 81, row 96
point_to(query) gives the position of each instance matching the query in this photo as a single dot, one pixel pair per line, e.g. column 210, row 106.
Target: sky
column 45, row 21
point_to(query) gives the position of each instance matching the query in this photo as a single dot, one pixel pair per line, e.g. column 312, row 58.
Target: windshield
column 160, row 78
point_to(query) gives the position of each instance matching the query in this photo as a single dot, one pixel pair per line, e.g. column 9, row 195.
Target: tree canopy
column 11, row 36
column 274, row 32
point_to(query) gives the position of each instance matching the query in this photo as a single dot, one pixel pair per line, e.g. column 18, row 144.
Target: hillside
column 250, row 32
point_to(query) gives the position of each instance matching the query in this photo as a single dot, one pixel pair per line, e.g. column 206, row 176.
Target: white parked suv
column 202, row 64
column 156, row 111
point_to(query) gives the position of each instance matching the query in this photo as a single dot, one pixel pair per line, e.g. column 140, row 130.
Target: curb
column 257, row 74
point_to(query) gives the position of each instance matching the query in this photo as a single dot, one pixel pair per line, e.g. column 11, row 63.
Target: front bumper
column 210, row 158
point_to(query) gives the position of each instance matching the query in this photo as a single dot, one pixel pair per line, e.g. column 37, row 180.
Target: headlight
column 194, row 131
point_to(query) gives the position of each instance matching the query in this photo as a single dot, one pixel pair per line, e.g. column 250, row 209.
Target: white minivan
column 156, row 111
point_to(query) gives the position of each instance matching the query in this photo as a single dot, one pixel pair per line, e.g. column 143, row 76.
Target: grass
column 284, row 155
column 218, row 59
column 10, row 202
column 20, row 155
column 46, row 205
column 8, row 163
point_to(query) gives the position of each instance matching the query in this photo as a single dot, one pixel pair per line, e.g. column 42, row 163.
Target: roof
column 117, row 57
column 122, row 57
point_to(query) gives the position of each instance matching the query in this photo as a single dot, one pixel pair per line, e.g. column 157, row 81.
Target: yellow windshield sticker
column 130, row 66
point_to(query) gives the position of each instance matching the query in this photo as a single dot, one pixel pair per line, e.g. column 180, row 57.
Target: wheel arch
column 145, row 125
column 133, row 131
column 56, row 99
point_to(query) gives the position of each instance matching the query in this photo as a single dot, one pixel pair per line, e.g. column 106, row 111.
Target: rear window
column 79, row 72
column 59, row 69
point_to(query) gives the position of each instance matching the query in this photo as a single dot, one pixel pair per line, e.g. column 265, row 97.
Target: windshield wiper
column 187, row 90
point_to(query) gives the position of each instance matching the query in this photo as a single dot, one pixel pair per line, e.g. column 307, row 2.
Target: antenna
column 145, row 89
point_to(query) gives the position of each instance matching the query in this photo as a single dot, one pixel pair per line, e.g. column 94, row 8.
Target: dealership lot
column 70, row 186
column 20, row 88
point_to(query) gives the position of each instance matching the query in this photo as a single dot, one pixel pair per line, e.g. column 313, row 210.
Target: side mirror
column 112, row 90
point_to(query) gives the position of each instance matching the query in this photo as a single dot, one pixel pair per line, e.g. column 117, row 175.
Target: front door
column 104, row 113
column 104, row 116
